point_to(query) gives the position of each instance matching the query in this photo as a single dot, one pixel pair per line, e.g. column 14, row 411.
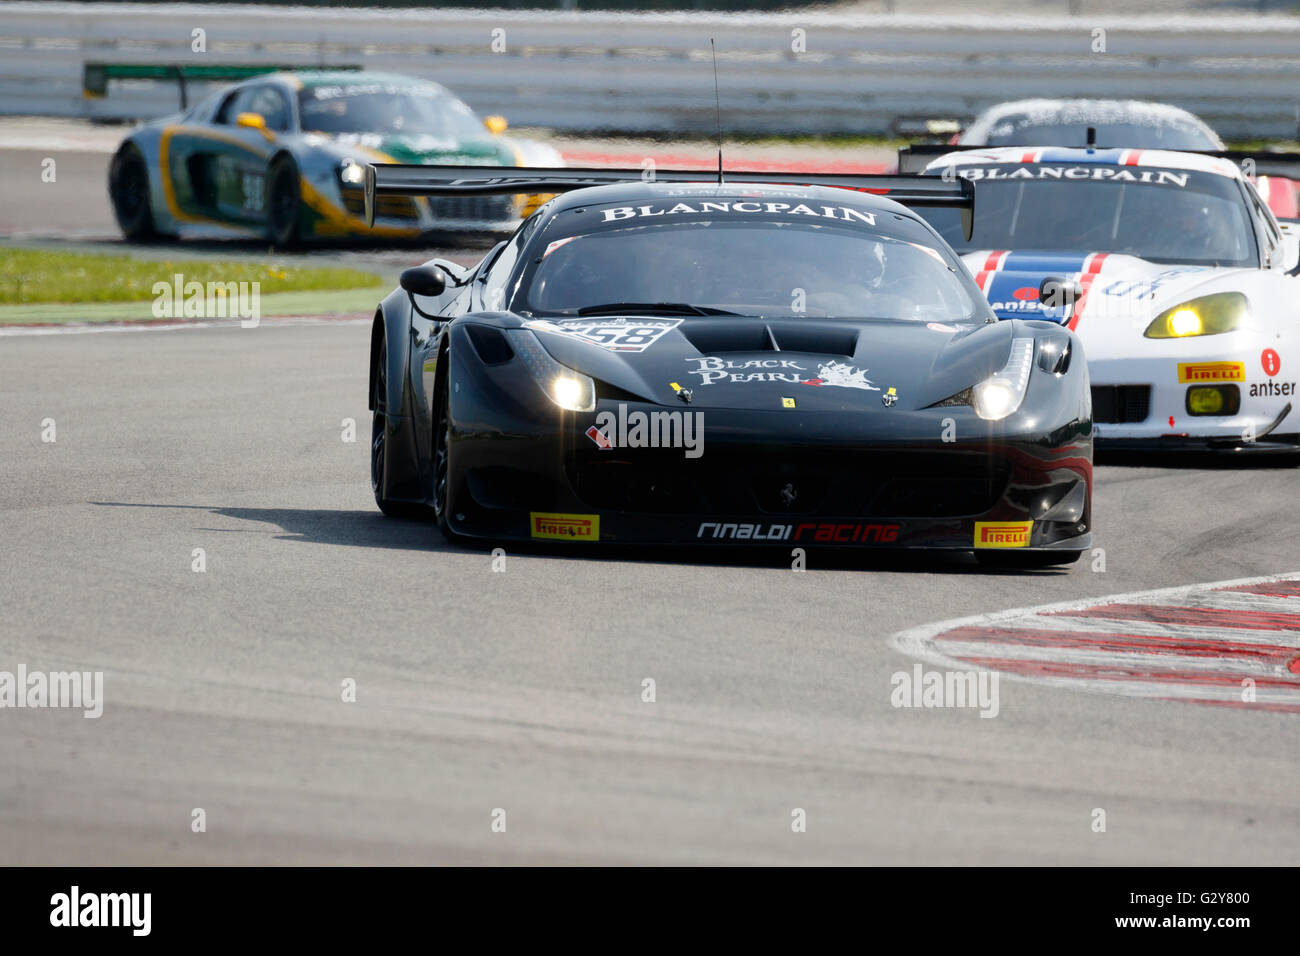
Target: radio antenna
column 717, row 102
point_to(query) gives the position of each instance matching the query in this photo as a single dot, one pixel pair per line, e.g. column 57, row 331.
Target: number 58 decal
column 617, row 335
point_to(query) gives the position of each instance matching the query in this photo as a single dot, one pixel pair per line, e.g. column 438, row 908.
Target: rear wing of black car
column 913, row 159
column 95, row 77
column 387, row 179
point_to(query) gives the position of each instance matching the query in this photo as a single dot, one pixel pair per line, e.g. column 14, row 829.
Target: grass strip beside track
column 42, row 285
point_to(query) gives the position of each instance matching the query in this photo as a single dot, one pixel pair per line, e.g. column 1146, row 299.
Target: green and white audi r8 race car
column 282, row 156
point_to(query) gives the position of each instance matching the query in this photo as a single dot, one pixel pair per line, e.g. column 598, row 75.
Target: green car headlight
column 351, row 173
column 1208, row 315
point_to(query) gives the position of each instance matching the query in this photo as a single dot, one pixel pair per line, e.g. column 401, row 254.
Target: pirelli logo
column 1211, row 372
column 1003, row 534
column 558, row 527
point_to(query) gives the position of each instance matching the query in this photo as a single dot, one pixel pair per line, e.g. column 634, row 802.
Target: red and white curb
column 1230, row 644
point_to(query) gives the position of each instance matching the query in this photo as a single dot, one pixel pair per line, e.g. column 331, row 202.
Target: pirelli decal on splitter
column 1003, row 534
column 562, row 527
column 1211, row 372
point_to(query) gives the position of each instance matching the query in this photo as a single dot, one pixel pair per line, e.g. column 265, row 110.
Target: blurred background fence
column 790, row 72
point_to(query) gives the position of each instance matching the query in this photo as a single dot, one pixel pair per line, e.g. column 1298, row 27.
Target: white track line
column 996, row 650
column 89, row 328
column 1242, row 601
column 1192, row 632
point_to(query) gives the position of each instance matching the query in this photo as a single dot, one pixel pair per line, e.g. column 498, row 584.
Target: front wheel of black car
column 442, row 451
column 283, row 204
column 1026, row 560
column 128, row 188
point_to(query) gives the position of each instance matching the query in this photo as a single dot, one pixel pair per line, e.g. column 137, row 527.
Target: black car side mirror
column 424, row 280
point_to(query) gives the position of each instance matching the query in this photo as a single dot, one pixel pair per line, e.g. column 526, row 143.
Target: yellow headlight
column 1208, row 315
column 1185, row 322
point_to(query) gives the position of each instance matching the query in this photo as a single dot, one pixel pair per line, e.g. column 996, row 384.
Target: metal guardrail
column 779, row 73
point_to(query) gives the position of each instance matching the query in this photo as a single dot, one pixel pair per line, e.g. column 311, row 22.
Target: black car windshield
column 749, row 266
column 1162, row 215
column 1136, row 135
column 414, row 109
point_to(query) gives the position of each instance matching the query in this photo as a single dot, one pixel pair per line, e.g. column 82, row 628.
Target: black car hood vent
column 737, row 335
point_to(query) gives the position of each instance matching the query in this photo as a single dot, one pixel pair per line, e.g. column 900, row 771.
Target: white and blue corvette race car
column 1178, row 280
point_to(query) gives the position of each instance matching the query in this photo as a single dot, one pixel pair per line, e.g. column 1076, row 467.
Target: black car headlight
column 1002, row 392
column 565, row 387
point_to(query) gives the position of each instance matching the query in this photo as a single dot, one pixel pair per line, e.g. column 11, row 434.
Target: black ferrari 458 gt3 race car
column 790, row 361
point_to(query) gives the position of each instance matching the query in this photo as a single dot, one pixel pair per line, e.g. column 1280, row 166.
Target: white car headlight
column 1001, row 393
column 562, row 385
column 1209, row 315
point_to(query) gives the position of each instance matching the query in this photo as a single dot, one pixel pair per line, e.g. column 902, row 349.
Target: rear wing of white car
column 387, row 179
column 913, row 159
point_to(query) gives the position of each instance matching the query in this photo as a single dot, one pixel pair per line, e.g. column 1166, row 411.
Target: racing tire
column 283, row 204
column 441, row 460
column 1026, row 560
column 128, row 190
column 379, row 445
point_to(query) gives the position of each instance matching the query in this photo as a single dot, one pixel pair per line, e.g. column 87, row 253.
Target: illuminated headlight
column 1208, row 315
column 1001, row 394
column 351, row 173
column 565, row 387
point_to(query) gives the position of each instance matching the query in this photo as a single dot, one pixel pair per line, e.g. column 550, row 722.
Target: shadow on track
column 362, row 529
column 370, row 529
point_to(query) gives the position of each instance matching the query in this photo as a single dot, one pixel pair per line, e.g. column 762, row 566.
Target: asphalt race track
column 522, row 690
